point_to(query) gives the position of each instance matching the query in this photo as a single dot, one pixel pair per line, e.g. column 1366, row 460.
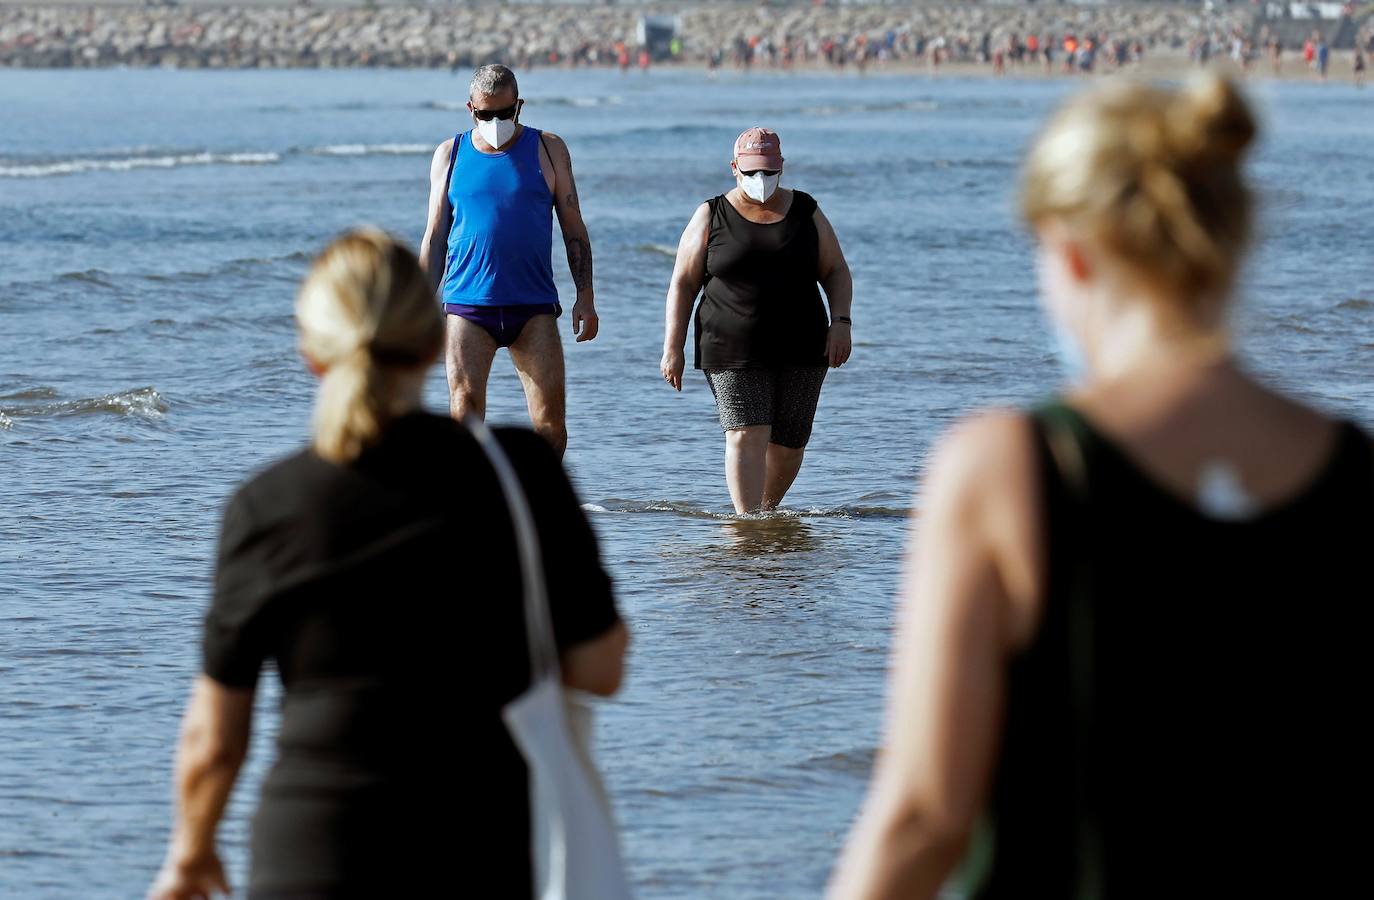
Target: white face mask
column 497, row 131
column 1066, row 349
column 759, row 187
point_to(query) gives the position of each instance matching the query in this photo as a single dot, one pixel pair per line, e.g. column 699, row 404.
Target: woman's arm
column 838, row 284
column 688, row 272
column 214, row 743
column 970, row 580
column 597, row 665
column 590, row 634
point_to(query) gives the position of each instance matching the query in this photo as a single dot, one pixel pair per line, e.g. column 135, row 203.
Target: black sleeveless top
column 1186, row 721
column 760, row 307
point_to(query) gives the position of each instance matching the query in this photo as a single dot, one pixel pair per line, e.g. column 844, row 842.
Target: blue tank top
column 500, row 248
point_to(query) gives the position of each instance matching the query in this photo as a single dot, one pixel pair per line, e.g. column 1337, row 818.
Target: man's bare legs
column 467, row 361
column 783, row 465
column 538, row 357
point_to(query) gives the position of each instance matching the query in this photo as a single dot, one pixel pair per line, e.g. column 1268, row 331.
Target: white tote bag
column 576, row 850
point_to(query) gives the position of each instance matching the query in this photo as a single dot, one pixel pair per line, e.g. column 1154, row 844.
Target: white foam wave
column 844, row 511
column 590, row 102
column 142, row 403
column 128, row 163
column 372, row 149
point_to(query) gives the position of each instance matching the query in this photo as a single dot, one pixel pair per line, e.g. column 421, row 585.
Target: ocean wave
column 660, row 249
column 857, row 761
column 833, row 109
column 104, row 279
column 37, row 393
column 80, row 165
column 851, row 512
column 680, row 130
column 372, row 150
column 578, row 102
column 1356, row 303
column 137, row 160
column 617, row 505
column 845, row 511
column 345, row 106
column 970, row 163
column 140, row 403
column 96, row 277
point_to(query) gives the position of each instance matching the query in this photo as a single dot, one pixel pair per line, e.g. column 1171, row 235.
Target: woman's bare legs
column 746, row 466
column 783, row 465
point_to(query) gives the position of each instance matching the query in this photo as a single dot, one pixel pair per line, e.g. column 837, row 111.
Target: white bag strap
column 538, row 619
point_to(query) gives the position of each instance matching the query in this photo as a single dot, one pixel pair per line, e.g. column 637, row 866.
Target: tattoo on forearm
column 572, row 182
column 580, row 261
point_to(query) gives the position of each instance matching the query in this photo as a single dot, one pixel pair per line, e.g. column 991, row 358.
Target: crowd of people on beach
column 1048, row 38
column 1130, row 630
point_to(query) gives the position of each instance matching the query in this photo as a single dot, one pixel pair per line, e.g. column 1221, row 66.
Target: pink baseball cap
column 758, row 148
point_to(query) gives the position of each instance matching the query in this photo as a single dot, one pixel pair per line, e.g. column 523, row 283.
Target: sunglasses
column 769, row 172
column 486, row 115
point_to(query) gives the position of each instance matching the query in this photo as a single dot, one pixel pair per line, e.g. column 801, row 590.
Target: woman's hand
column 190, row 879
column 838, row 344
column 214, row 744
column 672, row 365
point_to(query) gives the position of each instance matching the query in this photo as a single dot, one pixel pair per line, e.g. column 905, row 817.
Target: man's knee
column 786, row 454
column 466, row 399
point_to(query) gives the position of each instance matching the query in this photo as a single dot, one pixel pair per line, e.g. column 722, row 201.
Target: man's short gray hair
column 493, row 79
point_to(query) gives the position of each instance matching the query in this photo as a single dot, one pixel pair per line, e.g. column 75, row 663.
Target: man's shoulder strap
column 452, row 161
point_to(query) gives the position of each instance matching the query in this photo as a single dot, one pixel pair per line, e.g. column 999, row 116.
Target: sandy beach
column 965, row 40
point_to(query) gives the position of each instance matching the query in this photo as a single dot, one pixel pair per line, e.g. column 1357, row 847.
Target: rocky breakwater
column 526, row 35
column 294, row 37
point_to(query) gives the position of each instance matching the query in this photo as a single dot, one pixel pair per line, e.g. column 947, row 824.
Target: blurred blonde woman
column 1131, row 650
column 387, row 594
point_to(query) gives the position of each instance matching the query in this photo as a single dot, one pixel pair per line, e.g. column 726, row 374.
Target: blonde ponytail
column 368, row 318
column 1154, row 177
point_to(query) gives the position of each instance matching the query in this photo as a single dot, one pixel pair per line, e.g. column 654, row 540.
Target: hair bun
column 1210, row 123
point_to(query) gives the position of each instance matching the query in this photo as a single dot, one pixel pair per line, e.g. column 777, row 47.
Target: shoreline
column 970, row 40
column 1177, row 67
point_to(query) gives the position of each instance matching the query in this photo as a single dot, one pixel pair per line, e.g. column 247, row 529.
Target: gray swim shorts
column 784, row 398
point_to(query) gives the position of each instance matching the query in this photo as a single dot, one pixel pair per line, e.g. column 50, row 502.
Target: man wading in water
column 488, row 245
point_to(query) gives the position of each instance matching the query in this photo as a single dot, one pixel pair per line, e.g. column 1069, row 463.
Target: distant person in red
column 1309, row 51
column 622, row 56
column 643, row 59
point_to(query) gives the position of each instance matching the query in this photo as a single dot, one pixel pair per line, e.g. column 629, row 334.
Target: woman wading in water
column 763, row 335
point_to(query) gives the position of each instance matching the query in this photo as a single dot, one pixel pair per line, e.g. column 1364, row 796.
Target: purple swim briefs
column 503, row 323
